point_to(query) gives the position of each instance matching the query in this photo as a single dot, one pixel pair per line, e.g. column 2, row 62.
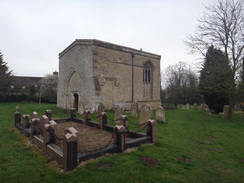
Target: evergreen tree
column 222, row 25
column 215, row 79
column 5, row 75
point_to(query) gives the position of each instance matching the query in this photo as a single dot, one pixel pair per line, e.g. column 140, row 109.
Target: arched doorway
column 76, row 101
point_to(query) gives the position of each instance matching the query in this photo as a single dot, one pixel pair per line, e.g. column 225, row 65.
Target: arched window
column 148, row 80
column 147, row 72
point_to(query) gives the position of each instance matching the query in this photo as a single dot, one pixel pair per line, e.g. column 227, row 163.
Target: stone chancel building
column 93, row 71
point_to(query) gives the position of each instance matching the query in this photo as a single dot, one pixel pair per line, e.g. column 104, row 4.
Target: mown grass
column 190, row 147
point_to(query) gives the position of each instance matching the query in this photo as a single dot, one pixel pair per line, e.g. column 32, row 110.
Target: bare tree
column 49, row 86
column 222, row 25
column 181, row 82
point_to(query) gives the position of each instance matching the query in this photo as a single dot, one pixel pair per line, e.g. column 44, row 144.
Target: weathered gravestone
column 195, row 106
column 134, row 110
column 17, row 108
column 120, row 104
column 160, row 114
column 225, row 110
column 100, row 109
column 146, row 113
column 187, row 106
column 118, row 111
column 206, row 110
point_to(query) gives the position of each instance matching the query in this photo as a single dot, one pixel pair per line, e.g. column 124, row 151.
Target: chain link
column 113, row 120
column 80, row 114
column 95, row 116
column 59, row 113
column 135, row 124
column 55, row 136
column 145, row 126
column 101, row 147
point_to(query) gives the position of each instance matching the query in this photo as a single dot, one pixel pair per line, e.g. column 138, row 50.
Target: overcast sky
column 34, row 32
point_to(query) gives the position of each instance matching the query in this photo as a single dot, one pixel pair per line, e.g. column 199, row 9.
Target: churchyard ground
column 190, row 147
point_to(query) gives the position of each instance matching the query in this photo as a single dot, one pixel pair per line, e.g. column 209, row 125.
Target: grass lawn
column 189, row 148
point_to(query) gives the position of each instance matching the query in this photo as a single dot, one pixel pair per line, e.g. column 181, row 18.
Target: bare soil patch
column 149, row 162
column 242, row 160
column 89, row 138
column 205, row 142
column 218, row 150
column 210, row 137
column 228, row 170
column 183, row 160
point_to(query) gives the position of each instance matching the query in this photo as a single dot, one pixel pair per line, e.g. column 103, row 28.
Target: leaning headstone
column 118, row 111
column 146, row 113
column 187, row 106
column 134, row 110
column 195, row 106
column 160, row 114
column 100, row 109
column 204, row 106
column 225, row 110
column 206, row 110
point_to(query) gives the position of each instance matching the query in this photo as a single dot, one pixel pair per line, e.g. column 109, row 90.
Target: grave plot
column 70, row 141
column 89, row 138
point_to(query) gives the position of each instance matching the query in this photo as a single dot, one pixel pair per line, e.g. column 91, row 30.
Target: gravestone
column 134, row 110
column 146, row 113
column 17, row 108
column 187, row 106
column 195, row 106
column 118, row 111
column 204, row 106
column 206, row 110
column 225, row 110
column 100, row 109
column 120, row 104
column 221, row 114
column 160, row 114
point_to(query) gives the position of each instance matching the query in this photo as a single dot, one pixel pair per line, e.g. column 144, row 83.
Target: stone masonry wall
column 114, row 71
column 97, row 71
column 75, row 77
